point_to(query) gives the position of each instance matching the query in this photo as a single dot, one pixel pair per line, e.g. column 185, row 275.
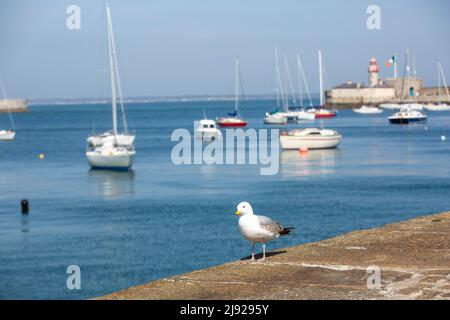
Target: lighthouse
column 373, row 72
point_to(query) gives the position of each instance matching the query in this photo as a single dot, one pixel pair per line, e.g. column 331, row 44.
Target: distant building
column 377, row 91
column 13, row 105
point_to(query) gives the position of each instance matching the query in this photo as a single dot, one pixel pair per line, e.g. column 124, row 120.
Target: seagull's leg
column 264, row 252
column 253, row 251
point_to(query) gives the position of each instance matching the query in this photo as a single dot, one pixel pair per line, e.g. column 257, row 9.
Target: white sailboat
column 112, row 150
column 7, row 134
column 277, row 116
column 322, row 112
column 311, row 138
column 440, row 106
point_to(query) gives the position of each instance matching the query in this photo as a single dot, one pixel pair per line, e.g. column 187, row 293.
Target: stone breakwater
column 405, row 260
column 14, row 105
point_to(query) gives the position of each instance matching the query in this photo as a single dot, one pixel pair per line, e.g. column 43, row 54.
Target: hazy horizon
column 171, row 48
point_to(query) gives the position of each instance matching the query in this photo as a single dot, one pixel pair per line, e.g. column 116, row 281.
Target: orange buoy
column 303, row 150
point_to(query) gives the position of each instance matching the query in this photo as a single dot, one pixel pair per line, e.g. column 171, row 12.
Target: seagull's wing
column 270, row 225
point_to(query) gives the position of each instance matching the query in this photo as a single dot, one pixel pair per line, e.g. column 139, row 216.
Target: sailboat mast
column 439, row 83
column 444, row 81
column 112, row 71
column 300, row 91
column 305, row 83
column 279, row 82
column 290, row 83
column 320, row 78
column 11, row 120
column 236, row 87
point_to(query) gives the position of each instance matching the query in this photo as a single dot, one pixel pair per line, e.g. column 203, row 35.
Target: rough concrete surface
column 413, row 257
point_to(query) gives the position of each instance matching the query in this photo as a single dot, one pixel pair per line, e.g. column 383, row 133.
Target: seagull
column 258, row 229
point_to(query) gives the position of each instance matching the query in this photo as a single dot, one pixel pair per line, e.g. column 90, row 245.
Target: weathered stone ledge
column 413, row 257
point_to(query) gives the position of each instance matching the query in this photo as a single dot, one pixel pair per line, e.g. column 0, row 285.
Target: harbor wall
column 13, row 105
column 404, row 260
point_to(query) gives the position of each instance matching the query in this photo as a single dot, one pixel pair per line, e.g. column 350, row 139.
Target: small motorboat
column 206, row 130
column 407, row 115
column 368, row 110
column 311, row 138
column 7, row 135
column 275, row 118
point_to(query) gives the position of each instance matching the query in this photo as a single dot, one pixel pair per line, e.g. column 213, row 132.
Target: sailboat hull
column 6, row 135
column 231, row 122
column 101, row 161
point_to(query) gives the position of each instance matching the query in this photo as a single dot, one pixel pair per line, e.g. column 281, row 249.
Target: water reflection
column 111, row 184
column 25, row 223
column 315, row 162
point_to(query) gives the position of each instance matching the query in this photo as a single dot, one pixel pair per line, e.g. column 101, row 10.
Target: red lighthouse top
column 373, row 67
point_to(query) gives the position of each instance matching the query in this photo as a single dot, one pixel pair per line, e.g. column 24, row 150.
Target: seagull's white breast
column 251, row 229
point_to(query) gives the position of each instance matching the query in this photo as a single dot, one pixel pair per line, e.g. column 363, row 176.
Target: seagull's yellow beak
column 238, row 213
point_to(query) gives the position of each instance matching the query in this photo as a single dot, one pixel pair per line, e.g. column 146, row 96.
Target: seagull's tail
column 286, row 230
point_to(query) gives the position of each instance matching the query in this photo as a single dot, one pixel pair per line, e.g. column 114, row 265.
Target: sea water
column 127, row 228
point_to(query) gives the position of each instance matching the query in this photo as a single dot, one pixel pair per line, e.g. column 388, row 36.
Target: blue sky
column 175, row 47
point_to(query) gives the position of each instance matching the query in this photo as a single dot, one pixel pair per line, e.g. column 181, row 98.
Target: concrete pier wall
column 14, row 105
column 406, row 260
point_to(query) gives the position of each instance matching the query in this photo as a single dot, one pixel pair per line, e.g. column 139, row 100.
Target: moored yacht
column 311, row 138
column 112, row 150
column 233, row 119
column 322, row 112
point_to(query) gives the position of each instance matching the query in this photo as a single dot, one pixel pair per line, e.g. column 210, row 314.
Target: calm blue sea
column 127, row 228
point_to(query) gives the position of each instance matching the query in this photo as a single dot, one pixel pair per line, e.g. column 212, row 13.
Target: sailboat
column 233, row 119
column 112, row 150
column 277, row 116
column 7, row 134
column 321, row 111
column 440, row 106
column 295, row 113
column 302, row 114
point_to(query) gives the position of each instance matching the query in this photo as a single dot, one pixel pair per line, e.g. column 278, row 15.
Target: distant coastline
column 150, row 99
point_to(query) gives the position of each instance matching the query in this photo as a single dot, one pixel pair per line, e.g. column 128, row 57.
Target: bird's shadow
column 268, row 254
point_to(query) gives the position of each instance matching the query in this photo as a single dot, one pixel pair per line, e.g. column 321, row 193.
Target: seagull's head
column 244, row 208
